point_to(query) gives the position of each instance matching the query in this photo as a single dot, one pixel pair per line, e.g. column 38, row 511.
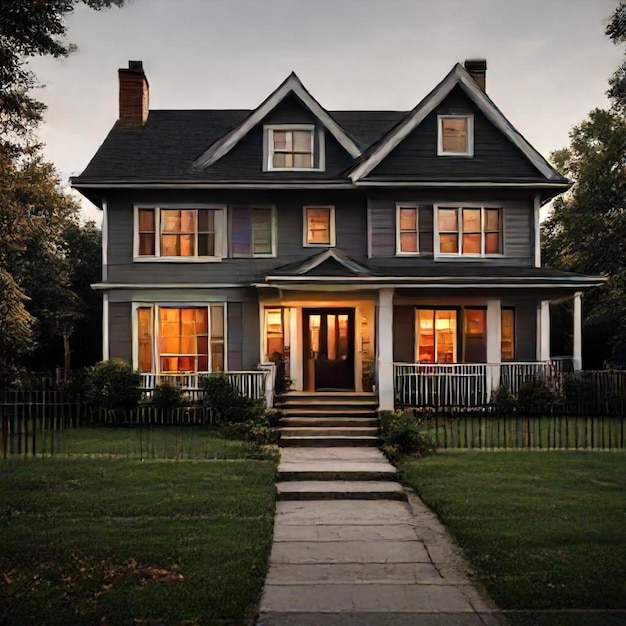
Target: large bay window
column 468, row 231
column 178, row 233
column 181, row 338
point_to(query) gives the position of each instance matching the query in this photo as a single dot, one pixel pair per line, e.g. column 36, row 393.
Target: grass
column 145, row 442
column 544, row 531
column 114, row 541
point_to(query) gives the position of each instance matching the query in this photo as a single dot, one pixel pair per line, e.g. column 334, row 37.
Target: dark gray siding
column 251, row 333
column 234, row 343
column 350, row 223
column 404, row 334
column 495, row 157
column 120, row 331
column 518, row 225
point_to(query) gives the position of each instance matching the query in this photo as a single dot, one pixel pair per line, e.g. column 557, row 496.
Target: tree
column 37, row 298
column 586, row 231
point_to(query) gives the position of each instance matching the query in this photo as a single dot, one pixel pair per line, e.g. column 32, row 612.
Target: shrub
column 536, row 398
column 403, row 433
column 227, row 403
column 167, row 396
column 503, row 401
column 113, row 385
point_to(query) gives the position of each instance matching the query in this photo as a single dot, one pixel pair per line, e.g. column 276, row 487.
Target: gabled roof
column 457, row 76
column 292, row 85
column 331, row 262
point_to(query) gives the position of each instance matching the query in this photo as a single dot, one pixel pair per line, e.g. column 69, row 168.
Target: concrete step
column 328, row 442
column 340, row 490
column 334, row 431
column 328, row 412
column 326, row 422
column 335, row 470
column 329, row 403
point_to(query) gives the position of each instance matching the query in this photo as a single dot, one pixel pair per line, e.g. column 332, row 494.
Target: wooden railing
column 461, row 384
column 251, row 384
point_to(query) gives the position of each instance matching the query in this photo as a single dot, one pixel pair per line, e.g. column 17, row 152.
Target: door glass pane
column 314, row 332
column 331, row 334
column 343, row 337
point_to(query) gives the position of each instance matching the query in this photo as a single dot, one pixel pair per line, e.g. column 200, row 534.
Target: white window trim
column 406, row 205
column 319, row 159
column 458, row 207
column 470, row 135
column 220, row 233
column 154, row 317
column 274, row 233
column 305, row 224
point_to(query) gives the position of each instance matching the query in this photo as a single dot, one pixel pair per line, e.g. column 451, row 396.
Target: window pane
column 188, row 221
column 492, row 220
column 454, row 134
column 146, row 220
column 408, row 219
column 492, row 243
column 318, row 226
column 217, row 322
column 201, row 321
column 169, row 245
column 206, row 221
column 475, row 321
column 302, row 140
column 217, row 357
column 471, row 220
column 262, row 231
column 203, row 345
column 144, row 331
column 331, row 337
column 448, row 220
column 508, row 334
column 448, row 244
column 302, row 160
column 425, row 336
column 408, row 242
column 475, row 335
column 170, row 221
column 280, row 140
column 146, row 244
column 279, row 159
column 187, row 245
column 445, row 337
column 471, row 244
column 206, row 245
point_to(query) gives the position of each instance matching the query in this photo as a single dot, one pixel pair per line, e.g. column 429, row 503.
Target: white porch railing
column 252, row 384
column 461, row 384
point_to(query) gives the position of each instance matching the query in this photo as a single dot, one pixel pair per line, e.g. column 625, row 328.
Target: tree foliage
column 616, row 31
column 586, row 231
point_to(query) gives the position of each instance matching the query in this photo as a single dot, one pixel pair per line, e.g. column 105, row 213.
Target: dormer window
column 455, row 135
column 293, row 147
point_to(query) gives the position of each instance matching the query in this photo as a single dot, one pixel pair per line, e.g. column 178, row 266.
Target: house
column 389, row 247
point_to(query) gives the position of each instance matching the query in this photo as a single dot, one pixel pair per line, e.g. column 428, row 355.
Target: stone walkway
column 340, row 560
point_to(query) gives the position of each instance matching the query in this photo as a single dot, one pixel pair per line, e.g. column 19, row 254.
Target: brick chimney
column 477, row 69
column 134, row 94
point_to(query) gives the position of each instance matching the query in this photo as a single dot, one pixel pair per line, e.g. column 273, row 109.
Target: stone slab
column 335, row 466
column 303, row 552
column 337, row 486
column 344, row 532
column 350, row 598
column 364, row 573
column 376, row 619
column 343, row 512
column 369, row 455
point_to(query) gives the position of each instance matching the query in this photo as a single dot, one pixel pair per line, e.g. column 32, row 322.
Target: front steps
column 328, row 419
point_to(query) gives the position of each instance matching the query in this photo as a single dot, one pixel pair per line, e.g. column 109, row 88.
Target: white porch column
column 494, row 342
column 105, row 326
column 384, row 349
column 578, row 332
column 544, row 331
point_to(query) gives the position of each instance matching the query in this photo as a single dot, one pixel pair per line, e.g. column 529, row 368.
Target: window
column 475, row 335
column 414, row 229
column 455, row 135
column 179, row 233
column 183, row 339
column 293, row 147
column 319, row 226
column 252, row 232
column 436, row 336
column 472, row 231
column 507, row 344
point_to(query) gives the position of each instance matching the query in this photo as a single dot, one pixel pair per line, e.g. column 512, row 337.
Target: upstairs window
column 414, row 229
column 455, row 135
column 319, row 226
column 179, row 233
column 253, row 232
column 469, row 231
column 293, row 147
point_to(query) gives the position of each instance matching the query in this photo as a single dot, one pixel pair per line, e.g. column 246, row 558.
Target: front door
column 328, row 349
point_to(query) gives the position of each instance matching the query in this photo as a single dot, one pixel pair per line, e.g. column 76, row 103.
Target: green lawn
column 146, row 442
column 86, row 541
column 544, row 530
